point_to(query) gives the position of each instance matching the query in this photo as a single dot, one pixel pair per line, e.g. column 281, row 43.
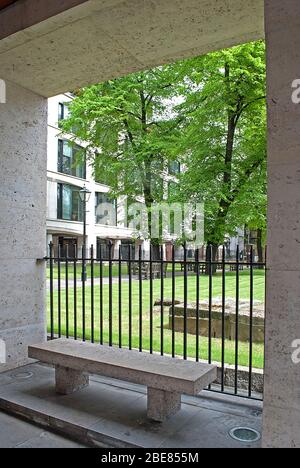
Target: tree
column 133, row 129
column 223, row 139
column 126, row 125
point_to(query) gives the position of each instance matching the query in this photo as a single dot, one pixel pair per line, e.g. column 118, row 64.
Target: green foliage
column 223, row 139
column 208, row 112
column 128, row 120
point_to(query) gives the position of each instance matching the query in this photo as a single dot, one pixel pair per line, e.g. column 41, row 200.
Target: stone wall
column 258, row 321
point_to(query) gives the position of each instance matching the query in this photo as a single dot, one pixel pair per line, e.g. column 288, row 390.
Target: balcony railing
column 210, row 311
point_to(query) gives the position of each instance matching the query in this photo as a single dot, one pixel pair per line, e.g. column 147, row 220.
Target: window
column 105, row 210
column 69, row 205
column 69, row 160
column 174, row 168
column 63, row 111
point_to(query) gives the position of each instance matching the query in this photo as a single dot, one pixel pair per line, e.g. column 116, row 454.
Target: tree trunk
column 155, row 251
column 211, row 256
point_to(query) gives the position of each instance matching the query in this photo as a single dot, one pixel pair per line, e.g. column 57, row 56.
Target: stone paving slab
column 15, row 433
column 111, row 413
column 88, row 283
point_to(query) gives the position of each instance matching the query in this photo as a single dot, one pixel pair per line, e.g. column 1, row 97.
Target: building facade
column 67, row 174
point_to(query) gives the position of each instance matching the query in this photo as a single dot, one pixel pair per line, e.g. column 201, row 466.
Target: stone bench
column 166, row 378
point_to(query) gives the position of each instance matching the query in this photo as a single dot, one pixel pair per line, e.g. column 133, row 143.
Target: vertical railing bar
column 51, row 292
column 151, row 297
column 237, row 320
column 101, row 293
column 223, row 318
column 197, row 304
column 210, row 290
column 92, row 295
column 59, row 290
column 110, row 296
column 120, row 297
column 251, row 323
column 185, row 304
column 75, row 294
column 140, row 301
column 173, row 302
column 162, row 300
column 130, row 299
column 210, row 265
column 67, row 291
column 83, row 291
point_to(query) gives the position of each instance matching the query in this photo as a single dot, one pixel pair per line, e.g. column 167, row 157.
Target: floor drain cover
column 245, row 434
column 23, row 375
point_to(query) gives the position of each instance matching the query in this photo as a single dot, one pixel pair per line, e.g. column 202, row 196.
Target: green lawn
column 259, row 293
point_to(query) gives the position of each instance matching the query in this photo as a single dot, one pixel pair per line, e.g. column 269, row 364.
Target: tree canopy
column 223, row 139
column 208, row 112
column 126, row 124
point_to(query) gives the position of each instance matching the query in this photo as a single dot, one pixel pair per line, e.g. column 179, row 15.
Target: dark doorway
column 103, row 246
column 68, row 246
column 126, row 246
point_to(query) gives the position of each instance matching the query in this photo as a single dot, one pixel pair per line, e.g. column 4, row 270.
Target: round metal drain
column 23, row 375
column 245, row 435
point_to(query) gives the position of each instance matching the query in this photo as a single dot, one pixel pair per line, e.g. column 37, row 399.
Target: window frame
column 60, row 203
column 78, row 171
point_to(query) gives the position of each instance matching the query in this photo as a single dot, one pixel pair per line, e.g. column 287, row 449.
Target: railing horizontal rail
column 177, row 262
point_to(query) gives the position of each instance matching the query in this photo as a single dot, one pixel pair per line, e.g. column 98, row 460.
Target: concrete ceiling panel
column 99, row 40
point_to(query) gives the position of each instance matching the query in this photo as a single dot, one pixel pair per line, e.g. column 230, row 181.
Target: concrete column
column 117, row 249
column 146, row 249
column 23, row 151
column 281, row 425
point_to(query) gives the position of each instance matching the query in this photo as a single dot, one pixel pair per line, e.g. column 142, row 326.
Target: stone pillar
column 162, row 405
column 281, row 425
column 69, row 381
column 23, row 155
column 117, row 249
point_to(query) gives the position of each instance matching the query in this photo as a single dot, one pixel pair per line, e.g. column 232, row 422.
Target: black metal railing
column 208, row 310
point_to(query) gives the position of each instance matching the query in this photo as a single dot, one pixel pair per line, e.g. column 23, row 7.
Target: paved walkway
column 87, row 283
column 110, row 413
column 15, row 433
column 115, row 280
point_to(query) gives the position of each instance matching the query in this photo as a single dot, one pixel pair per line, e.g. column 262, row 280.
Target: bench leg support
column 69, row 381
column 162, row 405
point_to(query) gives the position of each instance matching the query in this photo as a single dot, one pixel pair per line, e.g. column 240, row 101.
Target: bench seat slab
column 69, row 381
column 162, row 405
column 155, row 371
